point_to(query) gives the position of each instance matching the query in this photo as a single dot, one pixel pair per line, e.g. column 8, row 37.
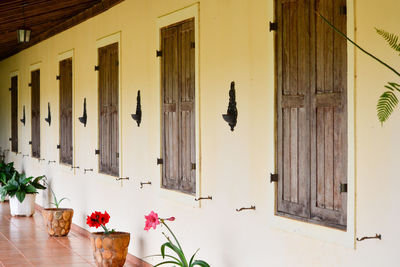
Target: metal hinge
column 343, row 10
column 30, row 142
column 10, row 139
column 10, row 89
column 273, row 26
column 158, row 53
column 274, row 177
column 97, row 151
column 30, row 84
column 193, row 166
column 96, row 68
column 159, row 161
column 192, row 45
column 58, row 146
column 58, row 77
column 343, row 188
column 117, row 63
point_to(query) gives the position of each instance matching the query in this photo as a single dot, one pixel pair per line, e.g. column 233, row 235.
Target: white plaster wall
column 234, row 45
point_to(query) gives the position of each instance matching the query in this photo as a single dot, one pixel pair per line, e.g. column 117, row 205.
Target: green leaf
column 20, row 196
column 200, row 263
column 177, row 251
column 391, row 38
column 386, row 104
column 168, row 262
column 191, row 259
column 30, row 189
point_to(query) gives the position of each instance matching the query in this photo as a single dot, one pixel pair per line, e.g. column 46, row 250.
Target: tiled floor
column 24, row 242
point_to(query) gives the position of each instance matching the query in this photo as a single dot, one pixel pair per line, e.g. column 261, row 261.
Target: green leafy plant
column 56, row 202
column 388, row 101
column 7, row 170
column 20, row 185
column 180, row 259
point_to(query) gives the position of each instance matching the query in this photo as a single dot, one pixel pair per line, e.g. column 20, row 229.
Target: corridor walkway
column 24, row 242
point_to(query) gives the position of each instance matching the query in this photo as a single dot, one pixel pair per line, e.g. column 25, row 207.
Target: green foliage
column 180, row 259
column 388, row 101
column 56, row 202
column 391, row 38
column 19, row 185
column 6, row 172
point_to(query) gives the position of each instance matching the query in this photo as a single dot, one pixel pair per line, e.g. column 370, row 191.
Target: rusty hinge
column 159, row 161
column 273, row 26
column 274, row 177
column 158, row 53
column 97, row 151
column 192, row 45
column 58, row 77
column 193, row 166
column 30, row 84
column 96, row 68
column 343, row 188
column 58, row 146
column 343, row 10
column 30, row 142
column 117, row 154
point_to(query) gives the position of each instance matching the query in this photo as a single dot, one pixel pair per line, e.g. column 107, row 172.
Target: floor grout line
column 20, row 252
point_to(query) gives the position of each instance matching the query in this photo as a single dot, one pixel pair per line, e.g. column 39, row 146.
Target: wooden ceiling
column 44, row 17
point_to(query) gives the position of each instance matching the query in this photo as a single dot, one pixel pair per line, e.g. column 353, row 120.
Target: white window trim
column 101, row 42
column 61, row 56
column 319, row 232
column 191, row 11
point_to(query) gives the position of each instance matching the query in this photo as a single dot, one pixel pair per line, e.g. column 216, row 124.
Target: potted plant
column 22, row 191
column 109, row 247
column 6, row 172
column 180, row 259
column 58, row 220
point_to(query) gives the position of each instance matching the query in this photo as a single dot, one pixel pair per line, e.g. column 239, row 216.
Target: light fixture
column 23, row 34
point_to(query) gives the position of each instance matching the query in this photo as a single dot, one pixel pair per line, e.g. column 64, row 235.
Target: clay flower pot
column 110, row 249
column 58, row 221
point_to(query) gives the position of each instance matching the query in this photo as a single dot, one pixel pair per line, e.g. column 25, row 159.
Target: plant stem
column 105, row 229
column 162, row 221
column 359, row 47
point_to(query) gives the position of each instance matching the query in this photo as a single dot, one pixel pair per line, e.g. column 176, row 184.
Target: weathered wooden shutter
column 178, row 108
column 35, row 113
column 311, row 111
column 108, row 109
column 66, row 111
column 329, row 115
column 14, row 113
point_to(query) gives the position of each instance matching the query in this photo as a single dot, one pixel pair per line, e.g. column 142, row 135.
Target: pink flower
column 171, row 219
column 151, row 221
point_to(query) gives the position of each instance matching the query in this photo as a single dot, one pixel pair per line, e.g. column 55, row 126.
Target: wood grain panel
column 35, row 113
column 14, row 114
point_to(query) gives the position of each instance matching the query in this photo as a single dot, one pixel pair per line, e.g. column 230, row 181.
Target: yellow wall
column 234, row 45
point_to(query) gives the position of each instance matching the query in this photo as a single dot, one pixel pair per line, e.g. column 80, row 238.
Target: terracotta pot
column 58, row 221
column 110, row 249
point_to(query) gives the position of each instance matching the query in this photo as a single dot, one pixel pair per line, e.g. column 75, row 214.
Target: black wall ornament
column 48, row 119
column 23, row 116
column 138, row 116
column 83, row 119
column 231, row 116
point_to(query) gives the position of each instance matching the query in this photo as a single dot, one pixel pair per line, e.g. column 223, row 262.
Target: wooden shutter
column 66, row 111
column 14, row 114
column 329, row 115
column 178, row 107
column 35, row 113
column 311, row 111
column 108, row 109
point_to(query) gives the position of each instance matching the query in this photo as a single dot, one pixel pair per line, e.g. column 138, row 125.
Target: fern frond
column 386, row 104
column 391, row 38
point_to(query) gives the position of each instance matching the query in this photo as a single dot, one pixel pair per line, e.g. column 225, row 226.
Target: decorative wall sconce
column 83, row 119
column 138, row 116
column 48, row 119
column 231, row 116
column 23, row 116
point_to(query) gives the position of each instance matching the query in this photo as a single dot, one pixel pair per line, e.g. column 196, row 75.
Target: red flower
column 97, row 219
column 171, row 219
column 151, row 221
